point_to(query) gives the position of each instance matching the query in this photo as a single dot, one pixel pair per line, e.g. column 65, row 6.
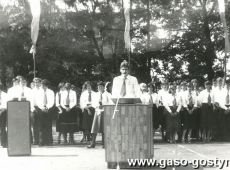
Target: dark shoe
column 71, row 142
column 91, row 146
column 35, row 143
column 82, row 140
column 41, row 144
column 65, row 142
column 182, row 140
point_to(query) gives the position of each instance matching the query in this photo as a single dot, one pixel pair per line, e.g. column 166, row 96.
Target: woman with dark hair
column 107, row 94
column 88, row 104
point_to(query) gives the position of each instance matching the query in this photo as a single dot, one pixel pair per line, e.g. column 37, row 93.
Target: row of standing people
column 71, row 118
column 183, row 109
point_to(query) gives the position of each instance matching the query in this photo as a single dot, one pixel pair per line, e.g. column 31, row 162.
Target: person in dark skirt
column 189, row 114
column 196, row 133
column 218, row 109
column 153, row 100
column 88, row 103
column 182, row 95
column 67, row 115
column 162, row 94
column 207, row 118
column 60, row 117
column 172, row 105
column 77, row 110
column 98, row 124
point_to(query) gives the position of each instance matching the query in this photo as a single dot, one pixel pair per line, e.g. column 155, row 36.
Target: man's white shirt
column 132, row 87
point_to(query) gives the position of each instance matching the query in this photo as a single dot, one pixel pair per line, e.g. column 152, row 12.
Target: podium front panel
column 129, row 134
column 18, row 128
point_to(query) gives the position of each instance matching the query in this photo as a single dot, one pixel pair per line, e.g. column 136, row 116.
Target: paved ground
column 78, row 157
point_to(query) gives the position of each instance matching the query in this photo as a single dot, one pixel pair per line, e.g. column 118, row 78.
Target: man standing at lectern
column 125, row 85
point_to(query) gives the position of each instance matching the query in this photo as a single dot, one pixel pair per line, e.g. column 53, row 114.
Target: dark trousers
column 35, row 125
column 219, row 123
column 3, row 134
column 43, row 127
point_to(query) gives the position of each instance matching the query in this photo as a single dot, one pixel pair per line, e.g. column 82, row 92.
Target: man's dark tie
column 59, row 97
column 45, row 99
column 67, row 99
column 22, row 94
column 227, row 98
column 209, row 99
column 151, row 99
column 190, row 99
column 100, row 100
column 123, row 88
column 89, row 97
column 174, row 101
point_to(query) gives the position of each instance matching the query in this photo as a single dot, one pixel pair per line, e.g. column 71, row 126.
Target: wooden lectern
column 129, row 135
column 18, row 128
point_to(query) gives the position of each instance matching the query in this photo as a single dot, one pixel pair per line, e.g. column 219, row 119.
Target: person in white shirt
column 44, row 103
column 182, row 94
column 162, row 95
column 153, row 101
column 218, row 109
column 20, row 91
column 60, row 116
column 98, row 124
column 35, row 110
column 125, row 85
column 197, row 91
column 172, row 104
column 68, row 103
column 107, row 96
column 144, row 96
column 77, row 112
column 190, row 106
column 3, row 113
column 88, row 103
column 12, row 90
column 206, row 119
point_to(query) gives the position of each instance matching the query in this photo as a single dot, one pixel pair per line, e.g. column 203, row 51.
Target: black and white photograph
column 114, row 84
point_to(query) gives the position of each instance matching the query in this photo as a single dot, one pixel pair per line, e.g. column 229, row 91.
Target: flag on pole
column 127, row 24
column 221, row 4
column 35, row 11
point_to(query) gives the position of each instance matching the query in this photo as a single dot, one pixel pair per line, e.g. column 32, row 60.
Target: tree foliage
column 83, row 39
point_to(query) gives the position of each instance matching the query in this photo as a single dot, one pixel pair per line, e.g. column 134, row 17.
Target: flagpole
column 34, row 65
column 129, row 50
